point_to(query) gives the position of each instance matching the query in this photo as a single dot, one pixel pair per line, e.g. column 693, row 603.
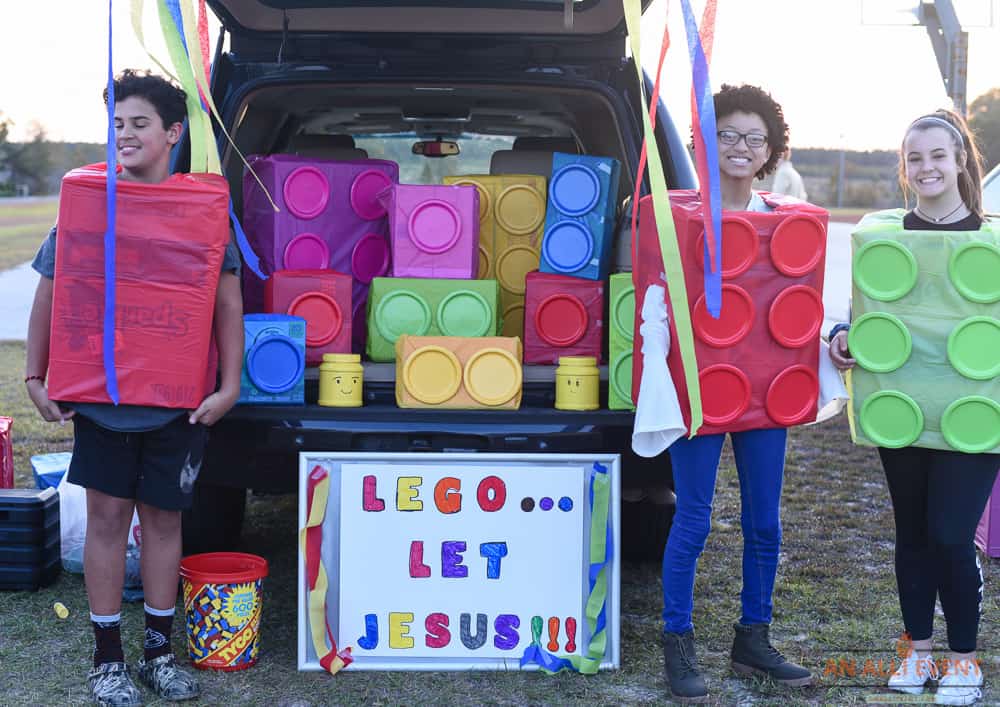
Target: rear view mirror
column 435, row 148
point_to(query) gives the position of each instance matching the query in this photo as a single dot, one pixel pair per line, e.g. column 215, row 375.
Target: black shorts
column 158, row 467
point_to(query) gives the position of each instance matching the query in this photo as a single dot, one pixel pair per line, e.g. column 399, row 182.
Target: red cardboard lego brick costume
column 757, row 363
column 170, row 242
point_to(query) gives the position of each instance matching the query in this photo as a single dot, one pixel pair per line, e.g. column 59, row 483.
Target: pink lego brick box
column 329, row 218
column 434, row 230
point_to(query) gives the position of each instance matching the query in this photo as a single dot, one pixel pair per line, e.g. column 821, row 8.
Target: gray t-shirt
column 124, row 418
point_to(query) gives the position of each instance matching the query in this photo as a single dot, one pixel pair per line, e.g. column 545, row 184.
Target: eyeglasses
column 754, row 141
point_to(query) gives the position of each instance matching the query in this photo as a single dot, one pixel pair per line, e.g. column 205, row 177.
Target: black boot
column 680, row 663
column 753, row 654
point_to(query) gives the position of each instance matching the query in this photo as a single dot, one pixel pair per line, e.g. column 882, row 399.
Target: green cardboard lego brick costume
column 428, row 307
column 926, row 335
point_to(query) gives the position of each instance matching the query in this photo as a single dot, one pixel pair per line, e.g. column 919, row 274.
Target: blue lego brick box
column 274, row 360
column 580, row 216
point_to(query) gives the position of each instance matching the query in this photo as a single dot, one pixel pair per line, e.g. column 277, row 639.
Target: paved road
column 17, row 287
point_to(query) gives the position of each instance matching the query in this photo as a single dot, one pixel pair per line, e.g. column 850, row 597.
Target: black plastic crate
column 29, row 577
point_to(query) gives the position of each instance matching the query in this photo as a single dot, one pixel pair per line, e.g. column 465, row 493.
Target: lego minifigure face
column 347, row 387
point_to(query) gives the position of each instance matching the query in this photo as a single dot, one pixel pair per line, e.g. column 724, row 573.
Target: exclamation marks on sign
column 553, row 625
column 571, row 635
column 553, row 635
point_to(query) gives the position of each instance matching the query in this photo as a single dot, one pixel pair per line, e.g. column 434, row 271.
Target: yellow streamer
column 669, row 249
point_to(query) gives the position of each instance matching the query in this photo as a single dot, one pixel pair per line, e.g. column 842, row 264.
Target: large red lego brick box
column 170, row 241
column 758, row 362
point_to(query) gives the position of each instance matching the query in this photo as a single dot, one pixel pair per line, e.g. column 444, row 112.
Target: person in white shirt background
column 787, row 180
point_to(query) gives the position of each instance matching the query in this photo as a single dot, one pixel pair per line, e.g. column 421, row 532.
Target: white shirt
column 788, row 181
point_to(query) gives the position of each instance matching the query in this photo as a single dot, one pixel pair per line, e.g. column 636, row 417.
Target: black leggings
column 937, row 498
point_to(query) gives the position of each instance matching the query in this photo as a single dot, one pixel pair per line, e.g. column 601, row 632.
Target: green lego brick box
column 621, row 312
column 925, row 333
column 428, row 307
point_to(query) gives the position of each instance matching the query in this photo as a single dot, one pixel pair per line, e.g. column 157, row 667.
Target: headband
column 937, row 122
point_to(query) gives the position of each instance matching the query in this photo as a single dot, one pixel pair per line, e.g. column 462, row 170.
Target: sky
column 843, row 83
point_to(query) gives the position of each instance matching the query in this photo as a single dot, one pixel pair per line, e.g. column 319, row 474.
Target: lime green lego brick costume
column 926, row 336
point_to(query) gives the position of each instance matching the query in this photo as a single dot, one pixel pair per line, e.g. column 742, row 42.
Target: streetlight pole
column 951, row 47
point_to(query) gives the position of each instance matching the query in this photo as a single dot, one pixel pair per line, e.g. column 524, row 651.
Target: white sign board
column 459, row 561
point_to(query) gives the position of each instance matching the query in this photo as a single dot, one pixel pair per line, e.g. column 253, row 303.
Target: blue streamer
column 249, row 257
column 175, row 12
column 536, row 654
column 110, row 307
column 707, row 128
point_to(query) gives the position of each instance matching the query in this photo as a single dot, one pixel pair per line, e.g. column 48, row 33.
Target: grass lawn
column 23, row 227
column 835, row 601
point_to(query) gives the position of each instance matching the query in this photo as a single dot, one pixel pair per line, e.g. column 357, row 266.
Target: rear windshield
column 473, row 158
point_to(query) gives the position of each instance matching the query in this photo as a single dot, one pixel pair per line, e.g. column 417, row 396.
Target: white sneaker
column 913, row 672
column 960, row 684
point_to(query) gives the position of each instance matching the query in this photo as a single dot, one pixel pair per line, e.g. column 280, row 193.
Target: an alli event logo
column 239, row 605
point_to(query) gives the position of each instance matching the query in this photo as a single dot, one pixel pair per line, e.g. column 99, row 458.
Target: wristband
column 837, row 328
column 34, row 378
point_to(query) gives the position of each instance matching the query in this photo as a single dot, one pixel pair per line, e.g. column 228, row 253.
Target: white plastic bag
column 73, row 532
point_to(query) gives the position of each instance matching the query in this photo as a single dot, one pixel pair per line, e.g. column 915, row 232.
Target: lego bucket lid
column 741, row 246
column 464, row 313
column 792, row 396
column 734, row 322
column 364, row 192
column 974, row 347
column 725, row 393
column 274, row 363
column 306, row 251
column 568, row 246
column 620, row 375
column 402, row 312
column 322, row 314
column 575, row 189
column 623, row 313
column 880, row 342
column 972, row 424
column 973, row 269
column 432, row 374
column 891, row 419
column 561, row 319
column 513, row 266
column 434, row 226
column 797, row 245
column 306, row 192
column 520, row 209
column 796, row 316
column 492, row 376
column 370, row 258
column 884, row 270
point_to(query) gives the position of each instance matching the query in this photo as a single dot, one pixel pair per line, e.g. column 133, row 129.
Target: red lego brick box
column 758, row 362
column 170, row 241
column 562, row 317
column 323, row 299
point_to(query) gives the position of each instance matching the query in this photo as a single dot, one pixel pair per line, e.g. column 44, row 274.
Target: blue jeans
column 760, row 463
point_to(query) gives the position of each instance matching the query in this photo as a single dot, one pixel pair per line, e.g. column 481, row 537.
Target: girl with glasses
column 751, row 137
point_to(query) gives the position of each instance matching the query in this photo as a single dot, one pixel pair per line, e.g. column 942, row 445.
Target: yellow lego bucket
column 222, row 606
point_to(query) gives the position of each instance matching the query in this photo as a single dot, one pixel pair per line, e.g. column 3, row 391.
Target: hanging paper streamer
column 706, row 152
column 185, row 30
column 669, row 249
column 108, row 342
column 311, row 543
column 596, row 609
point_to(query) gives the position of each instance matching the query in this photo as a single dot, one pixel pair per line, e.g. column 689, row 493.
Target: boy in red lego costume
column 131, row 457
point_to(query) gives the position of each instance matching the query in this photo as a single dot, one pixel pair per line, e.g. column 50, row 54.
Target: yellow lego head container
column 340, row 379
column 577, row 383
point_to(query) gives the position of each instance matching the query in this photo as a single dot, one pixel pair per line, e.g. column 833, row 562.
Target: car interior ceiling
column 319, row 120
